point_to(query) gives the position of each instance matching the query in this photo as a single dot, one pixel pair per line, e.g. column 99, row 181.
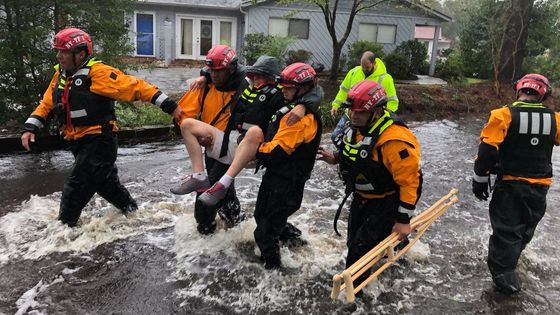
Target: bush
column 416, row 53
column 258, row 44
column 358, row 48
column 299, row 55
column 451, row 68
column 146, row 114
column 547, row 64
column 398, row 65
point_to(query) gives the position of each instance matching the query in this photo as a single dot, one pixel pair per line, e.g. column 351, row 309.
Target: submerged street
column 155, row 261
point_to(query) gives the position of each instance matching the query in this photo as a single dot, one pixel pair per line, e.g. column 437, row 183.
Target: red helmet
column 297, row 75
column 73, row 39
column 366, row 95
column 220, row 56
column 536, row 82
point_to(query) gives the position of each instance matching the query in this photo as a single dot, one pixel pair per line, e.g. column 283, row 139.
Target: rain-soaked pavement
column 155, row 262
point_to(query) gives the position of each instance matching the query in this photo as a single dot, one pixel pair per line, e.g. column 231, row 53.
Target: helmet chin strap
column 76, row 66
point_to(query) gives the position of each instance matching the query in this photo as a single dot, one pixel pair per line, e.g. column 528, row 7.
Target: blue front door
column 144, row 34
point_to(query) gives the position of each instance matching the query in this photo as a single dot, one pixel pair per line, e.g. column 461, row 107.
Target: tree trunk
column 337, row 50
column 513, row 50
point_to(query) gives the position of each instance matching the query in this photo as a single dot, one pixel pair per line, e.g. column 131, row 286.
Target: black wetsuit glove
column 480, row 190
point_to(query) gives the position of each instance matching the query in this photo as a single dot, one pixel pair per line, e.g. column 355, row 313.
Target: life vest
column 527, row 148
column 302, row 160
column 82, row 107
column 252, row 108
column 357, row 168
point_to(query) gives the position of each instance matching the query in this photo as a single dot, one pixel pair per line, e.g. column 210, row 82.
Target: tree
column 509, row 46
column 26, row 32
column 330, row 9
column 496, row 36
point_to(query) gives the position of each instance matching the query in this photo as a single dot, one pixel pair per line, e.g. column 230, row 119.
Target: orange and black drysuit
column 288, row 154
column 516, row 144
column 380, row 166
column 84, row 105
column 212, row 105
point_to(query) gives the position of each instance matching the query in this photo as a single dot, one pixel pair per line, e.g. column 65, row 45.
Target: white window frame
column 377, row 32
column 288, row 30
column 153, row 13
column 196, row 32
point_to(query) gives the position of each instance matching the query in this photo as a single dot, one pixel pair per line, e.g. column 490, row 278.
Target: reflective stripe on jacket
column 384, row 161
column 520, row 137
column 106, row 81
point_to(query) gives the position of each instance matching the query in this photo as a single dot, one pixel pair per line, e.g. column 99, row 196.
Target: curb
column 12, row 143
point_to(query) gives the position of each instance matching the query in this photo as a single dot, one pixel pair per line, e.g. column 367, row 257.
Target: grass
column 474, row 80
column 146, row 114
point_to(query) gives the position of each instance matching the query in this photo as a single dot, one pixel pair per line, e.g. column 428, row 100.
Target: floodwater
column 155, row 262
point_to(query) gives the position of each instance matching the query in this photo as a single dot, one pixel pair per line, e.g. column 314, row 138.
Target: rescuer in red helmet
column 82, row 94
column 379, row 160
column 516, row 144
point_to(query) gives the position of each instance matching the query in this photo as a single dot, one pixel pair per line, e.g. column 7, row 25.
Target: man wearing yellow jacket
column 379, row 161
column 516, row 144
column 370, row 68
column 82, row 94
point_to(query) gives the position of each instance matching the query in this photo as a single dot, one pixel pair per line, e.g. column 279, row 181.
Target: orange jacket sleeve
column 403, row 162
column 288, row 138
column 113, row 83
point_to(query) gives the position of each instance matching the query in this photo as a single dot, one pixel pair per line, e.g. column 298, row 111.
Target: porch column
column 434, row 51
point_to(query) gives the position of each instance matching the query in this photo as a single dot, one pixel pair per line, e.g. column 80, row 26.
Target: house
column 425, row 35
column 187, row 29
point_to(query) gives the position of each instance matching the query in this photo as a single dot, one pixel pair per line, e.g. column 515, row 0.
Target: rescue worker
column 82, row 94
column 516, row 144
column 260, row 99
column 370, row 68
column 252, row 139
column 288, row 154
column 379, row 160
column 212, row 105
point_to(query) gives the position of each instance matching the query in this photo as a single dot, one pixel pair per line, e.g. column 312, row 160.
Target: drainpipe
column 245, row 19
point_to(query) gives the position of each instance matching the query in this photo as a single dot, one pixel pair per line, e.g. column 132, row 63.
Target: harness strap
column 337, row 215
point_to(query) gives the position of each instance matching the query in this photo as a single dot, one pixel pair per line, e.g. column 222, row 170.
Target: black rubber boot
column 507, row 282
column 291, row 236
column 130, row 208
column 272, row 261
column 206, row 229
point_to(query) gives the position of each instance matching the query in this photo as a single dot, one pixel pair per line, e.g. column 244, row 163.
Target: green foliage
column 450, row 68
column 397, row 65
column 258, row 44
column 480, row 26
column 416, row 53
column 299, row 55
column 146, row 114
column 26, row 56
column 358, row 48
column 328, row 120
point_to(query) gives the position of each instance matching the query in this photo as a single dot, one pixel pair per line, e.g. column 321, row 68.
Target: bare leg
column 192, row 130
column 246, row 151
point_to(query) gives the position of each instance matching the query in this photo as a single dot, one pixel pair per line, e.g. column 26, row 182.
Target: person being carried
column 516, row 144
column 379, row 160
column 212, row 105
column 260, row 99
column 82, row 94
column 254, row 137
column 370, row 68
